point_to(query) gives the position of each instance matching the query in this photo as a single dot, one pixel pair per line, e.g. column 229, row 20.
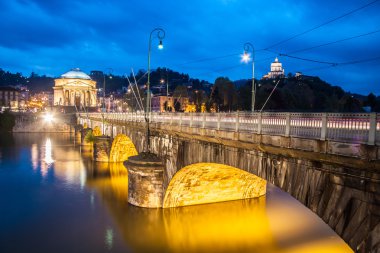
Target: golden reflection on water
column 265, row 224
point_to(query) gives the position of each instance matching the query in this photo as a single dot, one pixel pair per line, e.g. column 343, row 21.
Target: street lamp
column 246, row 57
column 160, row 34
column 104, row 98
column 110, row 70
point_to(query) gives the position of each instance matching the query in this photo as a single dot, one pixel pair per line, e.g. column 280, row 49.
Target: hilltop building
column 276, row 70
column 75, row 89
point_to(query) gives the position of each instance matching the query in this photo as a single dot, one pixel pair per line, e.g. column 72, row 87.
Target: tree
column 224, row 95
column 371, row 101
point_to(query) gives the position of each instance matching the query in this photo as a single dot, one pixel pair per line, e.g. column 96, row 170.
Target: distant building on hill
column 276, row 70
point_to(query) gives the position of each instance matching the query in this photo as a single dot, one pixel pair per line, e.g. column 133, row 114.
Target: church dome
column 76, row 74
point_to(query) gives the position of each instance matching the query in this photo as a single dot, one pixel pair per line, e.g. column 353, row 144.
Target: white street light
column 160, row 34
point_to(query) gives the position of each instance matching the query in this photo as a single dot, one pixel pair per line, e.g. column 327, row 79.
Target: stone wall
column 35, row 123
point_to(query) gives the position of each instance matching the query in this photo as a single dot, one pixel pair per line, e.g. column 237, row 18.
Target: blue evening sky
column 204, row 38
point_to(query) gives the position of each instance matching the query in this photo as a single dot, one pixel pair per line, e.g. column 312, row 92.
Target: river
column 54, row 198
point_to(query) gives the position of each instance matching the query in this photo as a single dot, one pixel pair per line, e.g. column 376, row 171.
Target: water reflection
column 34, row 156
column 46, row 158
column 251, row 225
column 87, row 203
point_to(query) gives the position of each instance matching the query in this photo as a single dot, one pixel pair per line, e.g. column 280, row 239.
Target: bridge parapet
column 361, row 128
column 334, row 133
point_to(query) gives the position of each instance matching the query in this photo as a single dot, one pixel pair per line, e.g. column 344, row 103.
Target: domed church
column 75, row 89
column 276, row 70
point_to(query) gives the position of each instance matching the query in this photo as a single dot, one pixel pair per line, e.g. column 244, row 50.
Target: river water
column 54, row 198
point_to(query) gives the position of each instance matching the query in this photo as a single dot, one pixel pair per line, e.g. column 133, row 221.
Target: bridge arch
column 122, row 148
column 202, row 183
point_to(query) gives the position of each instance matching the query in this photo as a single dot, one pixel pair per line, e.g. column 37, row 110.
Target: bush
column 89, row 137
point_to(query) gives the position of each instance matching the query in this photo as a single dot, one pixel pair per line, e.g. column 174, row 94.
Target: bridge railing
column 346, row 127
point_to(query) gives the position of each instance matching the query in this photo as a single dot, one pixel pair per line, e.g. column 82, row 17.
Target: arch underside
column 122, row 148
column 209, row 182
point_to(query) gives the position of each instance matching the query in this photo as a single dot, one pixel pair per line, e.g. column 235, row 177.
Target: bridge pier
column 102, row 148
column 145, row 180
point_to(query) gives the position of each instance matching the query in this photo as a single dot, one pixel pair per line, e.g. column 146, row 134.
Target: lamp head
column 246, row 57
column 160, row 45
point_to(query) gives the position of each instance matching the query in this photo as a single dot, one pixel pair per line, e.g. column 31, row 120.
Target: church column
column 84, row 99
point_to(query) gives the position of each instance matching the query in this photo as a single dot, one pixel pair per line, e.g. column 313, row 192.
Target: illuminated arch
column 210, row 182
column 122, row 148
column 96, row 131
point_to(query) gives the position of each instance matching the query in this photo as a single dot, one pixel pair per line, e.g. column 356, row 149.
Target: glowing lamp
column 48, row 118
column 246, row 57
column 160, row 45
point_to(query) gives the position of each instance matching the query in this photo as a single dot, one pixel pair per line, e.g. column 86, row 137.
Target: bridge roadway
column 327, row 161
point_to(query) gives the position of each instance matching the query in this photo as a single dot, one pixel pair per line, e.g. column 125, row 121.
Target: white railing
column 346, row 127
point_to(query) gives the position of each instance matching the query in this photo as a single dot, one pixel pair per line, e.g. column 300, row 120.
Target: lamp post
column 246, row 57
column 110, row 70
column 104, row 97
column 160, row 34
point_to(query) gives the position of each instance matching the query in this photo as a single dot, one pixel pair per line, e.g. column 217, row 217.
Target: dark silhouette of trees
column 224, row 95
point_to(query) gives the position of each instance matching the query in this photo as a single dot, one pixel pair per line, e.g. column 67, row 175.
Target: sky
column 204, row 38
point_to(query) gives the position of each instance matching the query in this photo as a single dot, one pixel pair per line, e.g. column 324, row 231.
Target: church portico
column 75, row 88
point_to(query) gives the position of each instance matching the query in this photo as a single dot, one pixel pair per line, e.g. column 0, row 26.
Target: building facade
column 75, row 88
column 9, row 98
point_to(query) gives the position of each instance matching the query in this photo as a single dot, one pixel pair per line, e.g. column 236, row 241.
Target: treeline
column 34, row 82
column 302, row 93
column 305, row 94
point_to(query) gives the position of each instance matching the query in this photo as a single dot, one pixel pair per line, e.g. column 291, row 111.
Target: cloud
column 53, row 36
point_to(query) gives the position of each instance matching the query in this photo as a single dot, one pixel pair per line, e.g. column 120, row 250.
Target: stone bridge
column 329, row 162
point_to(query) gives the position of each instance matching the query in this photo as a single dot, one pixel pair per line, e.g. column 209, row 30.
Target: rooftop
column 76, row 74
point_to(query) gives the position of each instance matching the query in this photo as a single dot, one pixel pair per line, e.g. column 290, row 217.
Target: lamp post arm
column 248, row 47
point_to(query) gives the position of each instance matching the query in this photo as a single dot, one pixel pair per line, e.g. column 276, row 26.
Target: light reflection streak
column 48, row 158
column 34, row 154
column 109, row 238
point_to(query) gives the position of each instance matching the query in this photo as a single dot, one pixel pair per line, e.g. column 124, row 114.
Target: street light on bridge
column 246, row 57
column 110, row 70
column 160, row 34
